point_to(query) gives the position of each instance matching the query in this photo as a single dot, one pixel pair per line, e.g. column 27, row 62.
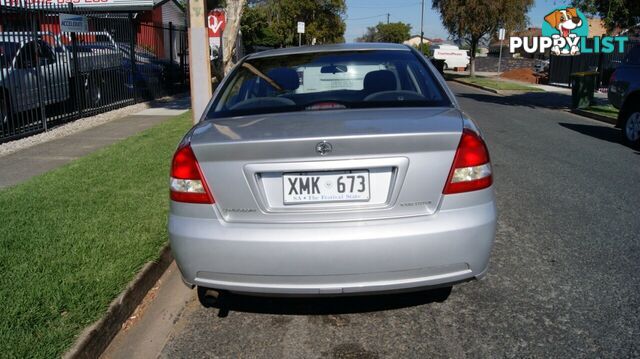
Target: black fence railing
column 561, row 67
column 49, row 77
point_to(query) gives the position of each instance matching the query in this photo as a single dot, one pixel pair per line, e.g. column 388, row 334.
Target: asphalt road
column 563, row 280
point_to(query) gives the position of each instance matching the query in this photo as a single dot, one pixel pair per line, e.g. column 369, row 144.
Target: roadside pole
column 501, row 35
column 300, row 32
column 199, row 61
column 422, row 28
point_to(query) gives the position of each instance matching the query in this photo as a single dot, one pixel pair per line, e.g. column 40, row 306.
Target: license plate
column 318, row 187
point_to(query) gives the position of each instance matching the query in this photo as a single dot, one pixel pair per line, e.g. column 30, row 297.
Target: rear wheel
column 93, row 85
column 631, row 127
column 5, row 115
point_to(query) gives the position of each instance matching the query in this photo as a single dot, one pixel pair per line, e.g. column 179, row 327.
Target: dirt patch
column 524, row 75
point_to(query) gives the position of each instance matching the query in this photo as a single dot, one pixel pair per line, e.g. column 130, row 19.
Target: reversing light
column 471, row 170
column 187, row 183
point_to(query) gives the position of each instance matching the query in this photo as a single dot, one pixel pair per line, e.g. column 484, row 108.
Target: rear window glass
column 329, row 81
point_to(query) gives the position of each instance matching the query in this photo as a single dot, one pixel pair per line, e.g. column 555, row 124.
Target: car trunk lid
column 405, row 154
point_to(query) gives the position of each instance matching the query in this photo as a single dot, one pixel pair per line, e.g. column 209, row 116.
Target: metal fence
column 561, row 67
column 49, row 77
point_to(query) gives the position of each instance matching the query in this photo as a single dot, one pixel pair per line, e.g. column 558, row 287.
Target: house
column 414, row 41
column 596, row 27
column 156, row 25
column 494, row 45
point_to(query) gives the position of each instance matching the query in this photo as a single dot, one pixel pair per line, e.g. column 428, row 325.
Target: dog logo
column 565, row 31
column 569, row 24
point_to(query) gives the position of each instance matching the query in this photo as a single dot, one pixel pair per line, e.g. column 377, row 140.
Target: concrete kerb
column 497, row 92
column 96, row 338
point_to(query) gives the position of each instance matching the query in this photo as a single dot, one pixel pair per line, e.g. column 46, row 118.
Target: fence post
column 600, row 70
column 170, row 42
column 132, row 55
column 76, row 72
column 39, row 79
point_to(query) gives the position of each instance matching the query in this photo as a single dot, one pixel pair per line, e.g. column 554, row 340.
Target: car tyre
column 631, row 127
column 93, row 85
column 5, row 115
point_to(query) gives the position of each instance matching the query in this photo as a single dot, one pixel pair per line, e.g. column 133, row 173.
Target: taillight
column 187, row 182
column 471, row 168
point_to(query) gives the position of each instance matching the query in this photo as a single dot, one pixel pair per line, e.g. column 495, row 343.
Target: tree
column 614, row 13
column 426, row 49
column 472, row 21
column 396, row 32
column 256, row 30
column 277, row 21
column 233, row 14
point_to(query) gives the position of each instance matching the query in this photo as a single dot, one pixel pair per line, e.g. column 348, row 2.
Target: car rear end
column 355, row 185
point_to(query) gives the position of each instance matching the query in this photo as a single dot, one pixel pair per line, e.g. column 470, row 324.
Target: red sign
column 216, row 22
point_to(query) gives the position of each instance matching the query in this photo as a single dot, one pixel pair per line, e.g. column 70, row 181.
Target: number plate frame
column 324, row 176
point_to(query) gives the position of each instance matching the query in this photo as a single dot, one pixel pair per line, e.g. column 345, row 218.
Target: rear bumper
column 334, row 258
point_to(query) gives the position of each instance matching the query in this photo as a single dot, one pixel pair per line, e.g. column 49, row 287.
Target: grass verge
column 496, row 84
column 71, row 239
column 603, row 110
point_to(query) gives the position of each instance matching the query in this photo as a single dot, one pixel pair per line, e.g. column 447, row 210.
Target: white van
column 451, row 54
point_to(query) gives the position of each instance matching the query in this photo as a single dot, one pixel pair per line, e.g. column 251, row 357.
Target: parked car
column 453, row 57
column 32, row 69
column 541, row 66
column 334, row 169
column 624, row 94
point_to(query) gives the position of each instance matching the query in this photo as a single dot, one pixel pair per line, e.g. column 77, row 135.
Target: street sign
column 216, row 22
column 73, row 23
column 501, row 34
column 300, row 27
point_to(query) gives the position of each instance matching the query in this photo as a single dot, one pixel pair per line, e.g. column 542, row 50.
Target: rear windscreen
column 329, row 81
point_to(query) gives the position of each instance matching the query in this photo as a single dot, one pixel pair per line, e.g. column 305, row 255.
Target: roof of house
column 157, row 3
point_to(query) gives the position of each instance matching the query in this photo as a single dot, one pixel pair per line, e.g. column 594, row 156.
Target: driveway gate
column 561, row 67
column 49, row 77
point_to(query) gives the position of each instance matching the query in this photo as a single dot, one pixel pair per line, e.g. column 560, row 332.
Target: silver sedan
column 332, row 170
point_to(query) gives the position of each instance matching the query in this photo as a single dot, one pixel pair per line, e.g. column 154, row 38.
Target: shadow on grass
column 227, row 302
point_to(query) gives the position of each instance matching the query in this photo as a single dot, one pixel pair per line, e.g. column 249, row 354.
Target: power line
column 367, row 17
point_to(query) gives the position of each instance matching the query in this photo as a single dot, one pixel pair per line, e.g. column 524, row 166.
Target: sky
column 364, row 13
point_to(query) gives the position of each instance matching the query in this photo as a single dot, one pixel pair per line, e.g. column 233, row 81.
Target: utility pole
column 422, row 28
column 199, row 58
column 501, row 36
column 388, row 18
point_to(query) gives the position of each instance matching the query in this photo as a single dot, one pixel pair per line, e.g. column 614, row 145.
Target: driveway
column 562, row 282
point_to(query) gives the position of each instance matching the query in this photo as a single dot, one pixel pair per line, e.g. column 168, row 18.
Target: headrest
column 379, row 81
column 285, row 77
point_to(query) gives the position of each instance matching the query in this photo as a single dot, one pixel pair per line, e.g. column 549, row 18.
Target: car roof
column 360, row 46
